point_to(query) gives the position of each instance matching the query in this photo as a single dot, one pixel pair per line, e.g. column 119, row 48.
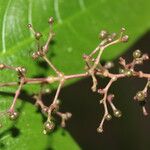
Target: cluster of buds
column 93, row 68
column 110, row 37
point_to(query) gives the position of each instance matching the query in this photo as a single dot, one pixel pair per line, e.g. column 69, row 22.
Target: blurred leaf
column 78, row 23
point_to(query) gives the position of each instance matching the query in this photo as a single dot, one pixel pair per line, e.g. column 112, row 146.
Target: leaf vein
column 56, row 9
column 30, row 14
column 82, row 5
column 4, row 27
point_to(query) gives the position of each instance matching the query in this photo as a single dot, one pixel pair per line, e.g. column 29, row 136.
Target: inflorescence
column 93, row 69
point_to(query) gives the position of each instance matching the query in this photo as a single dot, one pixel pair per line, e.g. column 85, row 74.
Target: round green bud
column 51, row 20
column 113, row 35
column 38, row 35
column 100, row 130
column 68, row 115
column 109, row 39
column 128, row 73
column 109, row 65
column 35, row 55
column 29, row 25
column 58, row 102
column 103, row 34
column 2, row 66
column 140, row 96
column 137, row 54
column 23, row 70
column 47, row 90
column 48, row 126
column 121, row 71
column 125, row 38
column 108, row 117
column 123, row 29
column 45, row 110
column 117, row 113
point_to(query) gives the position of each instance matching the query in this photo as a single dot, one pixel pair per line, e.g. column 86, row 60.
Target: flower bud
column 48, row 127
column 103, row 34
column 121, row 71
column 35, row 55
column 51, row 20
column 137, row 54
column 128, row 73
column 108, row 117
column 13, row 115
column 29, row 26
column 100, row 130
column 125, row 38
column 140, row 96
column 38, row 35
column 117, row 113
column 2, row 66
column 68, row 115
column 109, row 65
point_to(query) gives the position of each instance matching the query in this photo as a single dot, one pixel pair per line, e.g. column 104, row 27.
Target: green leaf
column 26, row 133
column 77, row 25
